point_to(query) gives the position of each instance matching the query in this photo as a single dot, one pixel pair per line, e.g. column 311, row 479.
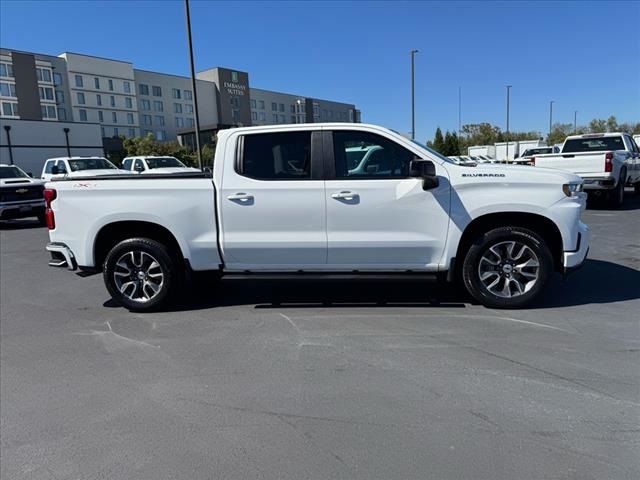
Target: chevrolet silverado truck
column 605, row 161
column 20, row 195
column 284, row 201
column 155, row 164
column 72, row 167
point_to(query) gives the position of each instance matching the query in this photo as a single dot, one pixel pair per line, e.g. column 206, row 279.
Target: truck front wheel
column 139, row 274
column 507, row 267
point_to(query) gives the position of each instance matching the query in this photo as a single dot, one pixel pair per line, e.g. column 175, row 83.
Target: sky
column 584, row 56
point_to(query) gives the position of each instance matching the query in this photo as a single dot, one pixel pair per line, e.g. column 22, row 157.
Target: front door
column 273, row 211
column 378, row 217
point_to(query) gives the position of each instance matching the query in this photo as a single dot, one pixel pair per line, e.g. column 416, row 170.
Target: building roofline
column 301, row 96
column 95, row 56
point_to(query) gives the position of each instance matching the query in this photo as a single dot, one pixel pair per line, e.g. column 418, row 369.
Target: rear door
column 272, row 203
column 378, row 217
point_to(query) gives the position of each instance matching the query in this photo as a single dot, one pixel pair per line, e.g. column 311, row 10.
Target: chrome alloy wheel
column 138, row 276
column 509, row 269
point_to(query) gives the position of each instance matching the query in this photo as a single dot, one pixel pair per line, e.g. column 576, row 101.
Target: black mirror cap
column 422, row 168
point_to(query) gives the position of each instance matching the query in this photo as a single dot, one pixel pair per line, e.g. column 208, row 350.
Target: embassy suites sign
column 235, row 88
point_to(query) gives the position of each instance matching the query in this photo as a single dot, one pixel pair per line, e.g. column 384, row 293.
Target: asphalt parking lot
column 313, row 380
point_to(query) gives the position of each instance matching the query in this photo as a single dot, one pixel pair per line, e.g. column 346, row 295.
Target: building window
column 114, row 117
column 96, row 81
column 113, row 101
column 9, row 90
column 10, row 109
column 59, row 97
column 79, row 82
column 254, row 115
column 179, row 122
column 46, row 93
column 145, row 105
column 282, row 120
column 190, row 123
column 128, row 102
column 160, row 120
column 261, row 103
column 6, row 70
column 161, row 135
column 188, row 95
column 111, row 85
column 253, row 104
column 274, row 118
column 146, row 119
column 102, row 132
column 80, row 98
column 100, row 116
column 188, row 108
column 48, row 111
column 99, row 100
column 293, row 119
column 83, row 115
column 57, row 80
column 62, row 114
column 177, row 108
column 175, row 92
column 157, row 91
column 116, row 132
column 130, row 118
column 132, row 132
column 127, row 87
column 282, row 107
column 293, row 108
column 274, row 107
column 263, row 117
column 144, row 89
column 158, row 106
column 43, row 74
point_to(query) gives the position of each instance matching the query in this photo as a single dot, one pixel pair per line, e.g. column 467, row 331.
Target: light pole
column 459, row 111
column 507, row 134
column 413, row 98
column 575, row 121
column 193, row 83
column 550, row 117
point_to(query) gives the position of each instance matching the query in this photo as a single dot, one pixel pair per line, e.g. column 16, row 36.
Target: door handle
column 241, row 197
column 345, row 195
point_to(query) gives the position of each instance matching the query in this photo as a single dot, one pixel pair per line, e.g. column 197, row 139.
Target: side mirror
column 55, row 170
column 426, row 170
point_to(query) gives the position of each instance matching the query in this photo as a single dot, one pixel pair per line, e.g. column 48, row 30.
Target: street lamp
column 550, row 116
column 575, row 121
column 413, row 98
column 507, row 134
column 193, row 83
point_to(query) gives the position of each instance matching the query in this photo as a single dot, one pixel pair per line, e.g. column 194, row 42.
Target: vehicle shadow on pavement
column 631, row 202
column 21, row 224
column 597, row 281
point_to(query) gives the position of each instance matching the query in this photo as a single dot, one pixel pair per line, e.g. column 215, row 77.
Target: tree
column 612, row 124
column 559, row 132
column 597, row 126
column 438, row 141
column 451, row 146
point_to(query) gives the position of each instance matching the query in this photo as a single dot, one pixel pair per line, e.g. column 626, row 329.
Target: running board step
column 430, row 277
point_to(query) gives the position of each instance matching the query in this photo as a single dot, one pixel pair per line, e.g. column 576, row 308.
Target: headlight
column 570, row 189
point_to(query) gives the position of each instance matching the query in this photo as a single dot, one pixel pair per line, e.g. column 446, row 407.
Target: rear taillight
column 49, row 196
column 532, row 161
column 608, row 162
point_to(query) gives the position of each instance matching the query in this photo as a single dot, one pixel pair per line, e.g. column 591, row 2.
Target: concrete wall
column 35, row 141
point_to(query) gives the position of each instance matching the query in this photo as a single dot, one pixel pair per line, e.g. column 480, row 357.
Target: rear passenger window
column 48, row 167
column 277, row 156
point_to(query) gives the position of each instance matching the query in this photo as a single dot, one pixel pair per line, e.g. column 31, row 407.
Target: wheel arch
column 112, row 233
column 543, row 226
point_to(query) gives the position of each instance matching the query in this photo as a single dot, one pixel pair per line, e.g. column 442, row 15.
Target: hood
column 171, row 170
column 517, row 174
column 17, row 182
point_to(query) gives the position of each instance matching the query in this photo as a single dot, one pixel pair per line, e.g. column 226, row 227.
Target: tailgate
column 583, row 162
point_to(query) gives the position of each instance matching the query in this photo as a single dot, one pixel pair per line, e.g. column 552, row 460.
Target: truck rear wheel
column 616, row 196
column 139, row 273
column 507, row 267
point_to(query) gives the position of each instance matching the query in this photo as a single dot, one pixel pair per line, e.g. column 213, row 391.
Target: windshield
column 537, row 151
column 593, row 144
column 90, row 164
column 433, row 152
column 12, row 172
column 164, row 162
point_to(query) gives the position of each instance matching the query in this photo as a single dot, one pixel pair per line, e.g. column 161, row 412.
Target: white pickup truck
column 155, row 164
column 605, row 161
column 285, row 201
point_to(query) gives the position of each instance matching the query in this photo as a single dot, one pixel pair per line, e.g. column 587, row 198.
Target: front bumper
column 61, row 256
column 28, row 208
column 574, row 259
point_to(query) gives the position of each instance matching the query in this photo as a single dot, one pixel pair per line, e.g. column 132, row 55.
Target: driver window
column 62, row 167
column 126, row 165
column 369, row 156
column 138, row 165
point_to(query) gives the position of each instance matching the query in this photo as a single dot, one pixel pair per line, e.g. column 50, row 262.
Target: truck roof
column 142, row 157
column 596, row 135
column 75, row 158
column 294, row 126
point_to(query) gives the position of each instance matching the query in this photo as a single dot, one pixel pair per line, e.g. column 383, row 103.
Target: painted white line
column 291, row 322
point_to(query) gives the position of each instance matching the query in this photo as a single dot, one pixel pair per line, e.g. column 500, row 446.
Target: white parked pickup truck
column 285, row 201
column 155, row 164
column 605, row 161
column 72, row 167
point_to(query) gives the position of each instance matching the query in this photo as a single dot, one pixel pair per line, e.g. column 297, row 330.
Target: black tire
column 616, row 196
column 479, row 256
column 42, row 219
column 636, row 188
column 147, row 292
